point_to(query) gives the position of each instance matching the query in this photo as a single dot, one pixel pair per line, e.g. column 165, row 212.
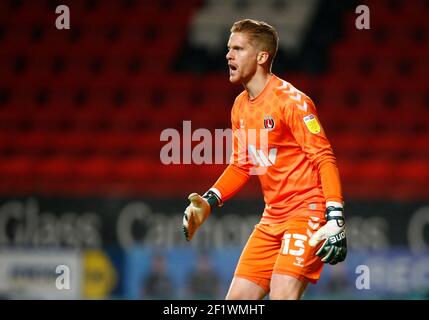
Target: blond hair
column 261, row 34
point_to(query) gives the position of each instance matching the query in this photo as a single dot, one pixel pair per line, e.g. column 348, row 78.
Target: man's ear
column 262, row 57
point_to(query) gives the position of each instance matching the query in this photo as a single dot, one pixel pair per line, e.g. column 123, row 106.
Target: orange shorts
column 282, row 248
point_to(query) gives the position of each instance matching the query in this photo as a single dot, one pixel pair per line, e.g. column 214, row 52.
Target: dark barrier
column 125, row 222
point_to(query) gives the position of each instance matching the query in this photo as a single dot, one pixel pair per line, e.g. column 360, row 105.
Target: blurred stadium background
column 82, row 110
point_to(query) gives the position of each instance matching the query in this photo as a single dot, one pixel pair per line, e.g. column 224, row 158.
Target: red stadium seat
column 82, row 110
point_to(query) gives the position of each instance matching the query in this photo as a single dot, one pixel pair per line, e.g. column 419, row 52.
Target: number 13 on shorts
column 297, row 258
column 294, row 244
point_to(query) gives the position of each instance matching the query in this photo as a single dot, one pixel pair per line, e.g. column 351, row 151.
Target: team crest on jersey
column 269, row 123
column 312, row 124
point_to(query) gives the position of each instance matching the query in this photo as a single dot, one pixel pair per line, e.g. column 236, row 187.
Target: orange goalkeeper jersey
column 278, row 137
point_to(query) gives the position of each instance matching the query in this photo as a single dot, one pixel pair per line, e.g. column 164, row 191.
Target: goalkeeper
column 302, row 225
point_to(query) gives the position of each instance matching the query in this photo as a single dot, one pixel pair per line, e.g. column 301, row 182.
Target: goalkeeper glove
column 198, row 211
column 334, row 248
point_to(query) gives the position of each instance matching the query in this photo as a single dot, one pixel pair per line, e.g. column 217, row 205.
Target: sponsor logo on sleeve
column 312, row 124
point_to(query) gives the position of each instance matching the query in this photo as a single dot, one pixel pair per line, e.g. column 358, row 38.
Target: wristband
column 213, row 199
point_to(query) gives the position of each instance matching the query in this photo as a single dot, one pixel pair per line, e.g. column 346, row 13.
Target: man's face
column 242, row 58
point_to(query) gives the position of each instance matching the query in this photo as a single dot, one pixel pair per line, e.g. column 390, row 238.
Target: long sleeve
column 236, row 174
column 311, row 137
column 231, row 181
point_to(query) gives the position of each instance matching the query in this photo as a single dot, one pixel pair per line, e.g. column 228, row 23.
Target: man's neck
column 258, row 82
